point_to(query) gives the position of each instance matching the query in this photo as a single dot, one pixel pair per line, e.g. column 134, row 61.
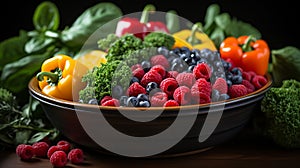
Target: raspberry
column 172, row 74
column 186, row 79
column 76, row 156
column 52, row 149
column 237, row 90
column 135, row 89
column 202, row 98
column 259, row 81
column 182, row 95
column 202, row 70
column 246, row 76
column 40, row 149
column 138, row 73
column 160, row 69
column 59, row 159
column 104, row 99
column 25, row 152
column 201, row 86
column 249, row 86
column 220, row 85
column 158, row 99
column 170, row 103
column 160, row 60
column 135, row 66
column 168, row 86
column 64, row 145
column 112, row 102
column 151, row 76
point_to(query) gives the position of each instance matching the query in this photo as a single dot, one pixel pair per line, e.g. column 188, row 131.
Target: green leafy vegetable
column 285, row 64
column 281, row 114
column 46, row 17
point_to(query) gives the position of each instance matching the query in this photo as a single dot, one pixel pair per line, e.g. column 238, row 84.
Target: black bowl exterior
column 235, row 116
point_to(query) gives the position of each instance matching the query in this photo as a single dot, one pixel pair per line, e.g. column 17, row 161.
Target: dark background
column 276, row 20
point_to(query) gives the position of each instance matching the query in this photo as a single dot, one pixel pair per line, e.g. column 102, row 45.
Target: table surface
column 244, row 150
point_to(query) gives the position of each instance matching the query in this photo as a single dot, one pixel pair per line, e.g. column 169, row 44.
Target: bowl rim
column 34, row 88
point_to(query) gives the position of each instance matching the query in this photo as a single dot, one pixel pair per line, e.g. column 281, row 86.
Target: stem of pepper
column 192, row 39
column 54, row 77
column 145, row 13
column 246, row 47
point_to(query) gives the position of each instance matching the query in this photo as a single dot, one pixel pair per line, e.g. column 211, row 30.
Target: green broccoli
column 123, row 46
column 158, row 39
column 105, row 43
column 281, row 114
column 101, row 79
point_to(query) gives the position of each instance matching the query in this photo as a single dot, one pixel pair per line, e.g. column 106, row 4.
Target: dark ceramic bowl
column 68, row 116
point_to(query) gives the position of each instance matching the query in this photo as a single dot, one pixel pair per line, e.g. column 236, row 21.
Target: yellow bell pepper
column 60, row 77
column 193, row 39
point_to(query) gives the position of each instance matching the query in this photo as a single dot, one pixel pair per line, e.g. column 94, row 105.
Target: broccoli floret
column 105, row 43
column 123, row 46
column 281, row 109
column 100, row 80
column 158, row 39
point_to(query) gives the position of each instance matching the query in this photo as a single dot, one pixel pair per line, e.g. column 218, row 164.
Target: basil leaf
column 239, row 28
column 16, row 75
column 212, row 11
column 217, row 36
column 12, row 49
column 46, row 17
column 89, row 21
column 223, row 20
column 38, row 44
column 285, row 64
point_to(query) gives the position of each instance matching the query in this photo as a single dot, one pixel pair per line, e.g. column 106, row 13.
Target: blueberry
column 146, row 65
column 237, row 79
column 132, row 102
column 236, row 71
column 224, row 97
column 215, row 95
column 190, row 68
column 144, row 104
column 93, row 101
column 179, row 67
column 163, row 50
column 123, row 100
column 229, row 83
column 117, row 91
column 142, row 97
column 134, row 79
column 151, row 86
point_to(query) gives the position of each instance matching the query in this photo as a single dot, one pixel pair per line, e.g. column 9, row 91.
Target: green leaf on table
column 22, row 136
column 46, row 17
column 38, row 137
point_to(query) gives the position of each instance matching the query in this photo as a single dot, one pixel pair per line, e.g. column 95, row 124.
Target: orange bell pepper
column 60, row 76
column 247, row 52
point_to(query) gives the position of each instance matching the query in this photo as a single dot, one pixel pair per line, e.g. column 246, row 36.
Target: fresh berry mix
column 184, row 77
column 58, row 154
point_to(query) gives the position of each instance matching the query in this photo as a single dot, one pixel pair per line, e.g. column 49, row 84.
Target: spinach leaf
column 239, row 28
column 217, row 36
column 16, row 75
column 212, row 11
column 46, row 17
column 12, row 49
column 88, row 22
column 285, row 64
column 223, row 20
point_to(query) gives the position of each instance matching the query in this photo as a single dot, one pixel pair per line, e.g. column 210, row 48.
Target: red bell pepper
column 140, row 28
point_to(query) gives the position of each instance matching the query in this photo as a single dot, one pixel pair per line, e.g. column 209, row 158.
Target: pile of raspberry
column 181, row 77
column 59, row 154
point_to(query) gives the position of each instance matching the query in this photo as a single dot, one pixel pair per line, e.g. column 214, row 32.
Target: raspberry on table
column 160, row 60
column 201, row 86
column 151, row 76
column 168, row 86
column 40, row 149
column 220, row 85
column 250, row 87
column 202, row 70
column 182, row 95
column 259, row 81
column 170, row 103
column 237, row 91
column 76, row 156
column 59, row 159
column 135, row 89
column 112, row 102
column 52, row 149
column 186, row 79
column 158, row 99
column 25, row 152
column 64, row 145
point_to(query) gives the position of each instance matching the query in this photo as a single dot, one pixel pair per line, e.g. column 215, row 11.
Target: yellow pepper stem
column 192, row 39
column 54, row 77
column 145, row 14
